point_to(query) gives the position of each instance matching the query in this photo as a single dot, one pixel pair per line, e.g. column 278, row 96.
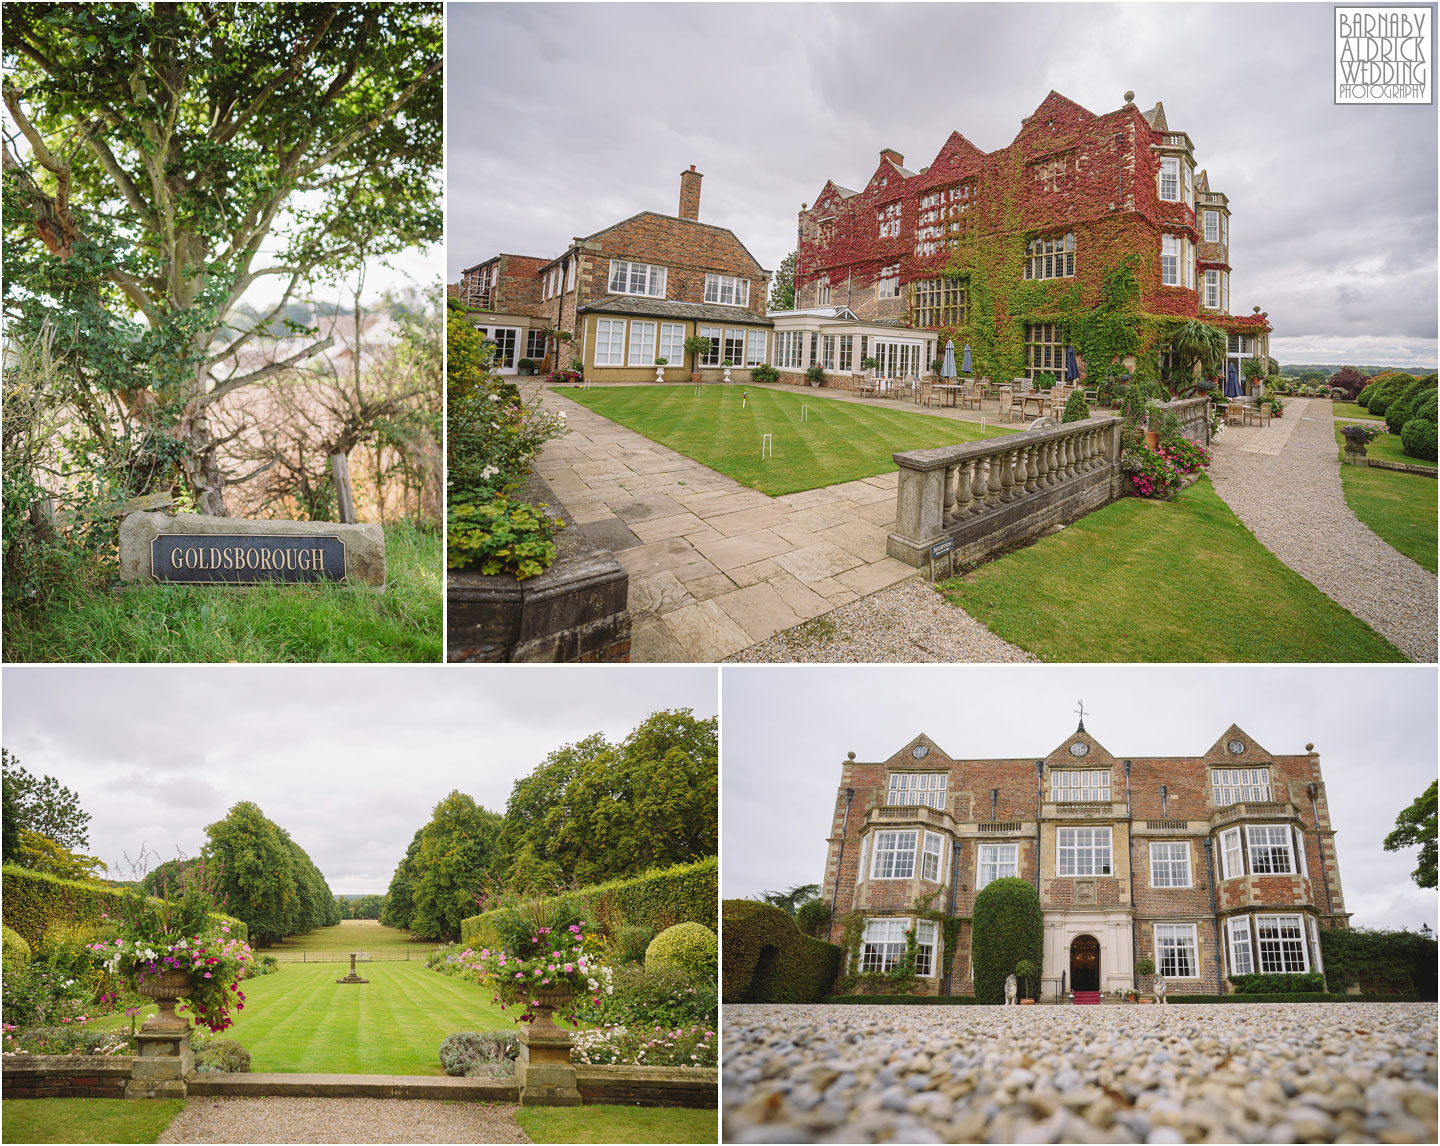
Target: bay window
column 894, row 855
column 1170, row 260
column 1212, row 289
column 926, row 933
column 1212, row 226
column 882, row 945
column 1242, row 955
column 1170, row 179
column 1281, row 941
column 1269, row 849
column 1232, row 859
column 932, row 857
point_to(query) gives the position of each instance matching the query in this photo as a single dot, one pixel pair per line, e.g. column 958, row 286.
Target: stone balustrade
column 1251, row 809
column 1194, row 415
column 985, row 496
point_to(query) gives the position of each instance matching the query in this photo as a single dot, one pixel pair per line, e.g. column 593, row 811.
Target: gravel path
column 1293, row 502
column 342, row 1120
column 1296, row 1072
column 907, row 622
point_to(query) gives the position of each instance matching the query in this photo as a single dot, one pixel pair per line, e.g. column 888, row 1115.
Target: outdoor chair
column 1261, row 414
column 1009, row 408
column 972, row 396
column 1234, row 414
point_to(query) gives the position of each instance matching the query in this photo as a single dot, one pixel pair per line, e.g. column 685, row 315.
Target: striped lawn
column 354, row 935
column 840, row 441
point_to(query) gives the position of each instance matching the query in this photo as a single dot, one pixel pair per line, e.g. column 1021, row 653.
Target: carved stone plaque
column 1085, row 892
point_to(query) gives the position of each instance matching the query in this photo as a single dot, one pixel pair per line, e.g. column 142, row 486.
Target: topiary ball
column 692, row 947
column 1075, row 408
column 16, row 955
column 1418, row 439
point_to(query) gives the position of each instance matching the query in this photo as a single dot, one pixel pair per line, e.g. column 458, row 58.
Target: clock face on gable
column 920, row 751
column 1236, row 747
column 1079, row 748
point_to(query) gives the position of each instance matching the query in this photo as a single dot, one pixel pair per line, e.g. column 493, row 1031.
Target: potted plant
column 726, row 367
column 1026, row 972
column 815, row 375
column 1143, row 969
column 525, row 366
column 870, row 364
column 660, row 364
column 696, row 346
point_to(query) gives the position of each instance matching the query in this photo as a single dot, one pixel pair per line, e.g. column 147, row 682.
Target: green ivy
column 1379, row 961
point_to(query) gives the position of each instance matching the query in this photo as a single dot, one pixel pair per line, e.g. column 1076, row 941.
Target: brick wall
column 66, row 1076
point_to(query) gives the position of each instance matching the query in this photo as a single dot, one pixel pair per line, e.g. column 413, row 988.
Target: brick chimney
column 690, row 194
column 894, row 156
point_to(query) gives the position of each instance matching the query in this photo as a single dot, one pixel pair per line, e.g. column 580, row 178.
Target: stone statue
column 1010, row 989
column 1159, row 987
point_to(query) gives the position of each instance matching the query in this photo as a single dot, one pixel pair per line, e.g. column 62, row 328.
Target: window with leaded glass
column 888, row 285
column 1082, row 851
column 1044, row 349
column 1270, row 849
column 996, row 861
column 894, row 855
column 938, row 302
column 822, row 293
column 882, row 945
column 1051, row 258
column 1281, row 940
column 926, row 932
column 926, row 788
column 1170, row 865
column 931, row 857
column 1176, row 950
column 1239, row 785
column 1075, row 787
column 940, row 219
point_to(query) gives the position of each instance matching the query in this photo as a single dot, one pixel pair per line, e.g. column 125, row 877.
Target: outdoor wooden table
column 1038, row 399
column 951, row 391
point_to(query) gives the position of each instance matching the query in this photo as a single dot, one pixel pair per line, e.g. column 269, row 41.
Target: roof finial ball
column 1309, row 748
column 850, row 755
column 1129, row 97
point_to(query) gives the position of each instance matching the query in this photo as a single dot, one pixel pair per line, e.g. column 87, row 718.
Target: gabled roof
column 957, row 148
column 1251, row 753
column 906, row 755
column 676, row 219
column 1052, row 105
column 1155, row 117
column 671, row 308
column 1094, row 754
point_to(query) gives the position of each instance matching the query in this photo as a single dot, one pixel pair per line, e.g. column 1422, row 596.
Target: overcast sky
column 786, row 733
column 349, row 760
column 574, row 117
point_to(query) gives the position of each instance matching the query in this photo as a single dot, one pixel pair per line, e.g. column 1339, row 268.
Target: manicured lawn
column 81, row 620
column 618, row 1124
column 1161, row 581
column 1387, row 447
column 841, row 441
column 1400, row 508
column 299, row 1020
column 88, row 1119
column 354, row 935
column 1350, row 410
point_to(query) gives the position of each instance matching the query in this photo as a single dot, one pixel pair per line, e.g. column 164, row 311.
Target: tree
column 1417, row 825
column 259, row 873
column 368, row 907
column 789, row 901
column 40, row 853
column 458, row 849
column 43, row 805
column 399, row 909
column 782, row 286
column 1197, row 343
column 344, row 907
column 1350, row 380
column 167, row 146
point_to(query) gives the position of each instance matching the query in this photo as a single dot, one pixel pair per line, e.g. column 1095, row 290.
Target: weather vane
column 1081, row 711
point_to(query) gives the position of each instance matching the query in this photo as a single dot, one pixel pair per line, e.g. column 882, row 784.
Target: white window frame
column 717, row 287
column 1189, row 193
column 1299, row 842
column 569, row 275
column 1274, row 837
column 927, row 948
column 1080, row 786
column 671, row 346
column 1224, row 228
column 1225, row 292
column 933, row 848
column 1076, row 858
column 888, row 284
column 827, row 352
column 822, row 293
column 1278, row 953
column 614, row 346
column 1174, row 940
column 1167, row 863
column 534, row 338
column 847, row 353
column 1232, row 857
column 1315, row 945
column 1169, row 179
column 864, row 855
column 1242, row 946
column 1235, row 785
column 733, row 347
column 1212, row 226
column 888, row 218
column 789, row 349
column 891, row 846
column 755, row 348
column 623, row 272
column 642, row 354
column 1001, row 862
column 1212, row 289
column 923, row 788
column 882, row 945
column 1169, row 260
column 716, row 335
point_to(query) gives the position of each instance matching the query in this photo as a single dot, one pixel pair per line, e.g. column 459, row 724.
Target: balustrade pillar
column 1031, row 474
column 992, row 484
column 1007, row 475
column 963, row 478
column 948, row 512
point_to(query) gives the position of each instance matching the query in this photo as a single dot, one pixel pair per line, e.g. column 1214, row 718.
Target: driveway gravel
column 907, row 622
column 342, row 1120
column 1290, row 497
column 1262, row 1072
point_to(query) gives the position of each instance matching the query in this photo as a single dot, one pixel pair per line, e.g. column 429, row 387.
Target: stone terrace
column 714, row 565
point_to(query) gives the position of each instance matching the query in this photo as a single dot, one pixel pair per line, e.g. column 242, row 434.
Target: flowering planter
column 545, row 1002
column 165, row 988
column 1152, row 439
column 1027, row 1002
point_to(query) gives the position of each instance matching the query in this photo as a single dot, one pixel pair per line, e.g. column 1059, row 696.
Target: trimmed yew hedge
column 1295, row 997
column 33, row 901
column 1293, row 983
column 767, row 960
column 1007, row 925
column 904, row 1000
column 684, row 893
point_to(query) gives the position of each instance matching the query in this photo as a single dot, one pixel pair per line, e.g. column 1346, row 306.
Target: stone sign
column 194, row 548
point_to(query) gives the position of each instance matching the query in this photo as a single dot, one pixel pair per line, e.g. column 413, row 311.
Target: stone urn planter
column 726, row 368
column 659, row 372
column 165, row 988
column 546, row 1000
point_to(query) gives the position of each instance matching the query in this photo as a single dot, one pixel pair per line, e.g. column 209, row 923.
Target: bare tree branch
column 273, row 368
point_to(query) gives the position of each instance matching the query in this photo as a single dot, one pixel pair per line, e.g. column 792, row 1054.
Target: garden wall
column 66, row 1075
column 767, row 960
column 684, row 893
column 574, row 611
column 33, row 901
column 1194, row 415
column 649, row 1085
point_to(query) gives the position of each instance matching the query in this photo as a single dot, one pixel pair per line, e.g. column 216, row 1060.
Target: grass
column 1387, row 447
column 82, row 621
column 1350, row 410
column 300, row 1021
column 1154, row 581
column 88, row 1119
column 618, row 1124
column 841, row 441
column 1400, row 508
column 353, row 935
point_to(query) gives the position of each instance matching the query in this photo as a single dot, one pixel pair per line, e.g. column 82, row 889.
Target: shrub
column 1391, row 388
column 1418, row 439
column 1075, row 408
column 812, row 916
column 464, row 1051
column 16, row 951
column 692, row 947
column 1426, row 409
column 1379, row 961
column 655, row 1046
column 222, row 1056
column 1403, row 408
column 767, row 960
column 1007, row 926
column 1302, row 997
column 765, row 373
column 630, row 943
column 72, row 1039
column 815, row 375
column 1151, row 474
column 500, row 536
column 1276, row 984
column 37, row 995
column 491, row 437
column 647, row 997
column 1184, row 455
column 904, row 1000
column 1044, row 381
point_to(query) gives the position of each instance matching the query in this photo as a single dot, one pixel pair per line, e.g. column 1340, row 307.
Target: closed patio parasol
column 947, row 368
column 1072, row 365
column 966, row 367
column 1232, row 381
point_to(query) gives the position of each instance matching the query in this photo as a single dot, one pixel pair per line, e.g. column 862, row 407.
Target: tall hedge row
column 767, row 960
column 1007, row 926
column 1379, row 962
column 34, row 901
column 683, row 893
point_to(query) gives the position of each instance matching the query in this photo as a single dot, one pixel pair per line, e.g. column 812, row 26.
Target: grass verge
column 1387, row 447
column 618, row 1124
column 1400, row 508
column 80, row 621
column 840, row 441
column 1157, row 581
column 88, row 1119
column 1350, row 410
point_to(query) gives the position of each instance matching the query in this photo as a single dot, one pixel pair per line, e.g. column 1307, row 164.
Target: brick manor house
column 627, row 295
column 1213, row 865
column 1002, row 250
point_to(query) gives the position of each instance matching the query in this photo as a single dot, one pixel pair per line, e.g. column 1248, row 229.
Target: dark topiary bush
column 1418, row 439
column 1392, row 388
column 1404, row 407
column 690, row 947
column 1075, row 408
column 1426, row 409
column 16, row 951
column 223, row 1056
column 1008, row 926
column 1273, row 984
column 767, row 960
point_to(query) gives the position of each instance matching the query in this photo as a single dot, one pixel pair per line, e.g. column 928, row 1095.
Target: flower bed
column 657, row 1046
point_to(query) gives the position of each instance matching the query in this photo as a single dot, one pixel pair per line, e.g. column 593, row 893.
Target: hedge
column 1293, row 983
column 1007, row 926
column 1295, row 997
column 765, row 959
column 904, row 1000
column 684, row 893
column 33, row 900
column 1379, row 961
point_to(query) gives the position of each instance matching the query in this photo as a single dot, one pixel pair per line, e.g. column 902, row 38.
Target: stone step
column 217, row 1084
